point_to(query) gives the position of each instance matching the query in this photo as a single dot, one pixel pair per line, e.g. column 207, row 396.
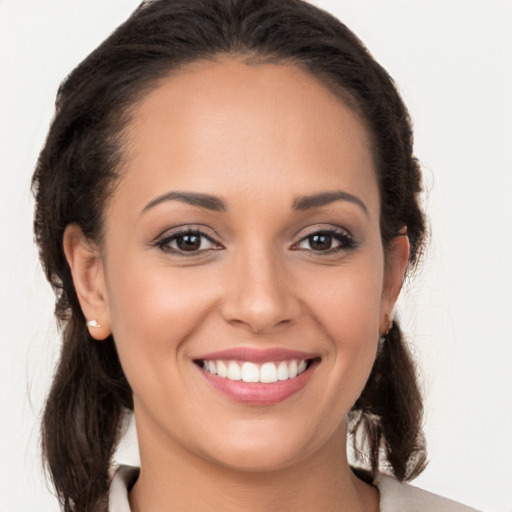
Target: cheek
column 153, row 309
column 347, row 306
column 347, row 303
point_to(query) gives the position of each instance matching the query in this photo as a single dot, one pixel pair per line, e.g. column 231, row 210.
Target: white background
column 452, row 61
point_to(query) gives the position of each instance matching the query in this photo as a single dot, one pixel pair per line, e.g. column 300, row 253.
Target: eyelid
column 323, row 228
column 343, row 235
column 171, row 234
column 187, row 228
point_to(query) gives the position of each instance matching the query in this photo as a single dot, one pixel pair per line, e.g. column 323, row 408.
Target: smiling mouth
column 250, row 372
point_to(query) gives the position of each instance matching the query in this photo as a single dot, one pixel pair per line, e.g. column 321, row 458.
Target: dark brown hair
column 80, row 162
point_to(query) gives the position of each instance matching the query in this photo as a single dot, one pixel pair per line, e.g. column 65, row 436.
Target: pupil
column 189, row 242
column 320, row 242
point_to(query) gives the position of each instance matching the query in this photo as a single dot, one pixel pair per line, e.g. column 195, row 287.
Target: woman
column 226, row 207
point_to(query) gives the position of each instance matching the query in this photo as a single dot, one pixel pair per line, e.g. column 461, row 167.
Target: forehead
column 216, row 126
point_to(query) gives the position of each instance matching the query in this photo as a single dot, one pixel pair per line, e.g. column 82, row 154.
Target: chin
column 261, row 452
column 258, row 460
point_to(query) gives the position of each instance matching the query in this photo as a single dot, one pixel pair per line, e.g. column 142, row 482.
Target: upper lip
column 257, row 355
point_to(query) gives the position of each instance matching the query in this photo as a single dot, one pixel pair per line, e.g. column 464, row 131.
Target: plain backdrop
column 452, row 61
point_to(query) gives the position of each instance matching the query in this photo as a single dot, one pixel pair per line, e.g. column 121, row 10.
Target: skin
column 258, row 138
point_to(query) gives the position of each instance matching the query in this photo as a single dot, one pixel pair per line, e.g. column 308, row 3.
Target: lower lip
column 257, row 393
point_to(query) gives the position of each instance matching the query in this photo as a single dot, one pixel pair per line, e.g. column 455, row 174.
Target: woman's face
column 242, row 243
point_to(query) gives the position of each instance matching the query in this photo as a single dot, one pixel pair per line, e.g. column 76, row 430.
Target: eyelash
column 164, row 241
column 345, row 239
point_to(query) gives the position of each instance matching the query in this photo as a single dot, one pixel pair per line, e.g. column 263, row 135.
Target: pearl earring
column 93, row 323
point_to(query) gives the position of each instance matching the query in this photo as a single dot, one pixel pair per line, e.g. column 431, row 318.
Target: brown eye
column 328, row 242
column 320, row 242
column 189, row 242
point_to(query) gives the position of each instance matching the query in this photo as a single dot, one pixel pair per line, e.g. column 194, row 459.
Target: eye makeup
column 193, row 240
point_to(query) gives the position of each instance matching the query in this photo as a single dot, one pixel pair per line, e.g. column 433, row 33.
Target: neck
column 178, row 480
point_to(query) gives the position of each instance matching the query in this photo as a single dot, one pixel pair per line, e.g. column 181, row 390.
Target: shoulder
column 396, row 496
column 124, row 478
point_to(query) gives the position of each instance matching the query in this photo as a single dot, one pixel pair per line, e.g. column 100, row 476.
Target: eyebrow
column 216, row 204
column 195, row 199
column 324, row 198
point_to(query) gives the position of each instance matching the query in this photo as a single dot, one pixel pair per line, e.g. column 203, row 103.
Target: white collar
column 394, row 495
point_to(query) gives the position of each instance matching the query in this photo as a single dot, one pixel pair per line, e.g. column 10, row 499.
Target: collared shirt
column 394, row 495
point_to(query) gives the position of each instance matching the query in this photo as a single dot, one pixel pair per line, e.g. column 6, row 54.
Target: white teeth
column 234, row 372
column 222, row 369
column 268, row 373
column 292, row 369
column 250, row 372
column 282, row 371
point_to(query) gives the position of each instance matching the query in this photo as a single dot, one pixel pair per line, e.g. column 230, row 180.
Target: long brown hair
column 80, row 162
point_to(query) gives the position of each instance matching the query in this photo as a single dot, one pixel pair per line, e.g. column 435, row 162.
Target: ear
column 396, row 260
column 84, row 260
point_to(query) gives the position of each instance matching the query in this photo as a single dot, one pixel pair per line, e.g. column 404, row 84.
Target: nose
column 259, row 295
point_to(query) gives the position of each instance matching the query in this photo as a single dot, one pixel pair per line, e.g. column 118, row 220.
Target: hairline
column 127, row 110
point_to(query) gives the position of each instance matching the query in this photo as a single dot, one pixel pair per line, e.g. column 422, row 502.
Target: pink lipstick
column 255, row 376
